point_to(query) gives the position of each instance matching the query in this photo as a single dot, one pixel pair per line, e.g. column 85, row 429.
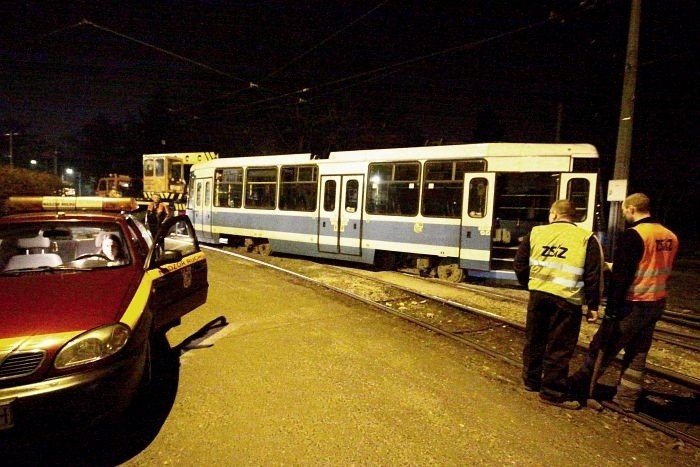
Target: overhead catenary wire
column 324, row 41
column 381, row 72
column 250, row 84
column 301, row 95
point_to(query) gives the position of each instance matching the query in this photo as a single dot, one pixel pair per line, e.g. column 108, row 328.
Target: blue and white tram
column 445, row 210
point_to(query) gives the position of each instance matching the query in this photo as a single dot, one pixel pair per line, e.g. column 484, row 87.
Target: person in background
column 636, row 299
column 156, row 213
column 560, row 263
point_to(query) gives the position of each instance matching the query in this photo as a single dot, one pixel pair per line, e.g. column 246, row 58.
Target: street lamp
column 76, row 175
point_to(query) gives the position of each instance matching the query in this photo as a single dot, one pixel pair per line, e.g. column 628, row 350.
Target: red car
column 84, row 289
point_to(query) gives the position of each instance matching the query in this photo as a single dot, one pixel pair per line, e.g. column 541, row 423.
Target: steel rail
column 642, row 418
column 658, row 332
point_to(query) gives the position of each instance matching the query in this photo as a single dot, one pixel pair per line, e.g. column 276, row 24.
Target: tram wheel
column 264, row 249
column 450, row 272
column 249, row 245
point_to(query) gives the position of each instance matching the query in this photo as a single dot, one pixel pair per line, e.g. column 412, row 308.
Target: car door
column 177, row 268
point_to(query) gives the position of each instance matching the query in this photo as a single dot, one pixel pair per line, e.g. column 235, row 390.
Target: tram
column 448, row 211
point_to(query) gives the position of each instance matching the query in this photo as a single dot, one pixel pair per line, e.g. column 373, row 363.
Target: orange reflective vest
column 654, row 269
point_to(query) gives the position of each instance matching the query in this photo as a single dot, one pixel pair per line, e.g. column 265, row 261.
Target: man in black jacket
column 636, row 300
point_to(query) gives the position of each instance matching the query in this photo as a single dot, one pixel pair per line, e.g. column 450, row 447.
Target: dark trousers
column 632, row 331
column 154, row 229
column 551, row 333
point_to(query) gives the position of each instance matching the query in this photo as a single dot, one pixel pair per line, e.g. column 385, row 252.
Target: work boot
column 531, row 387
column 627, row 405
column 579, row 384
column 565, row 402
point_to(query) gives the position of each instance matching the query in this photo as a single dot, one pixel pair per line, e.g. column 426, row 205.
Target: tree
column 19, row 181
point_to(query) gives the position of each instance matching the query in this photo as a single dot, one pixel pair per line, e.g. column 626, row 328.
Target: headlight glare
column 93, row 345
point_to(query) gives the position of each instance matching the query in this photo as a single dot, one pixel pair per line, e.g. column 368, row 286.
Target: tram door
column 477, row 220
column 340, row 214
column 580, row 188
column 201, row 215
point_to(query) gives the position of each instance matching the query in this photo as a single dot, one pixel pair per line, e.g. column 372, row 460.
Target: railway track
column 680, row 332
column 671, row 396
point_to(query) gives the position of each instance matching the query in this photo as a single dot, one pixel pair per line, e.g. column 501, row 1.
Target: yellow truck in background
column 168, row 174
column 165, row 175
column 119, row 186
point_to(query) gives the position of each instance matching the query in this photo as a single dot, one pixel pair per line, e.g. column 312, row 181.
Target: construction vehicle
column 118, row 186
column 167, row 175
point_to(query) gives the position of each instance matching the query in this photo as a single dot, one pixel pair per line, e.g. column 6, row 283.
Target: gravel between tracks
column 661, row 354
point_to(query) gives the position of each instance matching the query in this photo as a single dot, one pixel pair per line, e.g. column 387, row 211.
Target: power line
column 327, row 39
column 292, row 61
column 250, row 84
column 381, row 72
column 163, row 51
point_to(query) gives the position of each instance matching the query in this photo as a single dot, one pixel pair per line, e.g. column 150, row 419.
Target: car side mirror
column 169, row 256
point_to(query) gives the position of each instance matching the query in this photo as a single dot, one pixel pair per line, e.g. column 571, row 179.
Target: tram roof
column 260, row 160
column 471, row 150
column 482, row 150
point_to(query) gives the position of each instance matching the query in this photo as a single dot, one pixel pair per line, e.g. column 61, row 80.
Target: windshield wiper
column 51, row 269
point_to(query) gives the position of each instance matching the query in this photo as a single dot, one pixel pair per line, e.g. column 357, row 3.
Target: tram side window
column 298, row 187
column 191, row 193
column 352, row 189
column 207, row 194
column 443, row 186
column 478, row 191
column 577, row 191
column 261, row 188
column 329, row 196
column 393, row 188
column 229, row 187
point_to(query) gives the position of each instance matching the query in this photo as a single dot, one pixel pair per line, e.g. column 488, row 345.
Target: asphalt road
column 302, row 376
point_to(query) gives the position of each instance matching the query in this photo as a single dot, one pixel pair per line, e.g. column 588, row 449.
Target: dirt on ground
column 683, row 296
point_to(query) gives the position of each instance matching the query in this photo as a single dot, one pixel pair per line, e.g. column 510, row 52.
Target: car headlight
column 93, row 345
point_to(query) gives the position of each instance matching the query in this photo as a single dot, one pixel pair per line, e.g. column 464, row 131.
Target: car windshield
column 69, row 245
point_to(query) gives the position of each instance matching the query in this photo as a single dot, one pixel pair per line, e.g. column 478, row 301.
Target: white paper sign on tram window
column 617, row 190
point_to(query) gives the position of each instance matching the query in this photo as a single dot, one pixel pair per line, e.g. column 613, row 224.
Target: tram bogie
column 446, row 211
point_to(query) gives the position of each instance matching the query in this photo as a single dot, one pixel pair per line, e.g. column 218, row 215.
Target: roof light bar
column 69, row 203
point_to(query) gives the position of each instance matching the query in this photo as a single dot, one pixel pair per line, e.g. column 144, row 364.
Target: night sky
column 432, row 70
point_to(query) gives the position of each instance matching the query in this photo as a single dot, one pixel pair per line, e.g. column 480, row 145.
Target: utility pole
column 560, row 117
column 624, row 133
column 11, row 134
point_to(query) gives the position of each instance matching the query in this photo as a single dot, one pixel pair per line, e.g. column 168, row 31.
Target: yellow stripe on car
column 138, row 303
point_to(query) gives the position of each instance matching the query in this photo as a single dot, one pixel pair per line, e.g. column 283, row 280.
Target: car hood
column 49, row 303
